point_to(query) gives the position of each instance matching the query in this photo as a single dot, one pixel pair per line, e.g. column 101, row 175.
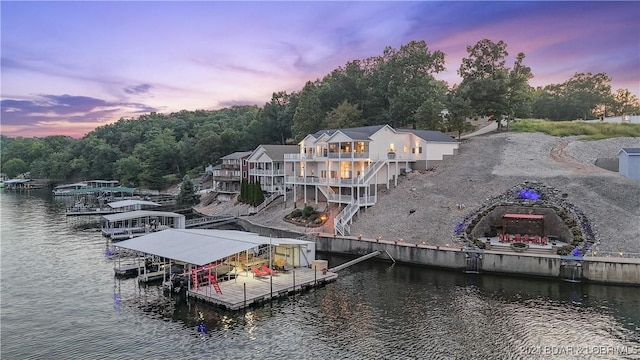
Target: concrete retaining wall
column 614, row 270
column 606, row 270
column 596, row 269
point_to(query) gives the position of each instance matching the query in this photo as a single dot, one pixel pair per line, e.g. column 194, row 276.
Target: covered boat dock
column 233, row 269
column 126, row 225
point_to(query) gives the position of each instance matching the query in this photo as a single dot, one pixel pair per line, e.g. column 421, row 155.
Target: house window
column 244, row 162
column 244, row 174
column 334, row 174
column 293, row 167
column 323, row 174
column 406, row 149
column 419, row 149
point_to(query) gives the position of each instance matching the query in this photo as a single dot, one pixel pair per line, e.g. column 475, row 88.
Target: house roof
column 17, row 181
column 103, row 189
column 139, row 214
column 236, row 155
column 276, row 152
column 431, row 135
column 630, row 151
column 357, row 133
column 200, row 246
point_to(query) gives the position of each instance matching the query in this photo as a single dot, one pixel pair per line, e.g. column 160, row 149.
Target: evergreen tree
column 187, row 195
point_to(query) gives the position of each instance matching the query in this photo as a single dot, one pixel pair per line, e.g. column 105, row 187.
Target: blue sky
column 67, row 67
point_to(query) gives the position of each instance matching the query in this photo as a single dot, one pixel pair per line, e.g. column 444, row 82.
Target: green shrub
column 566, row 250
column 307, row 211
column 296, row 213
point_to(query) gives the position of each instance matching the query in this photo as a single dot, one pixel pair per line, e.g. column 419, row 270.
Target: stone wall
column 553, row 224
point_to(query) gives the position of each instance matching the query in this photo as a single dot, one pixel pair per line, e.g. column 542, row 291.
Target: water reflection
column 73, row 307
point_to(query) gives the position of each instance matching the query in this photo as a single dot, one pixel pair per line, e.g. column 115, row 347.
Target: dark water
column 59, row 300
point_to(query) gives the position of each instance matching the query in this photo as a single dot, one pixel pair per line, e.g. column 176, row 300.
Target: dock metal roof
column 123, row 203
column 200, row 246
column 139, row 214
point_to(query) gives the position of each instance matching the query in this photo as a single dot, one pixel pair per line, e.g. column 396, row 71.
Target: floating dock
column 246, row 290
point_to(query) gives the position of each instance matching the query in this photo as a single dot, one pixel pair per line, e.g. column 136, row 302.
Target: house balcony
column 260, row 172
column 332, row 155
column 314, row 180
column 227, row 178
column 232, row 167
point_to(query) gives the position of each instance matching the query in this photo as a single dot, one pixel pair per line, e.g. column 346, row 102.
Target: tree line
column 396, row 88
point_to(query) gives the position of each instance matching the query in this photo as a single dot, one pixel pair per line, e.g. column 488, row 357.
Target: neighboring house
column 229, row 174
column 267, row 165
column 348, row 166
column 629, row 162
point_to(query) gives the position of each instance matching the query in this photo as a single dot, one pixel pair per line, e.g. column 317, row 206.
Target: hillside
column 423, row 207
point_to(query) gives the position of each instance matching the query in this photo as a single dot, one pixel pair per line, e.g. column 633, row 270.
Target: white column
column 396, row 176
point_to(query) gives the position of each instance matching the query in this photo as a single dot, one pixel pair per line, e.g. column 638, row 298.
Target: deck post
column 270, row 270
column 245, row 294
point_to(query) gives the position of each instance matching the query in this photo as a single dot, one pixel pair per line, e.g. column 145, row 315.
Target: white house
column 348, row 166
column 629, row 162
column 266, row 164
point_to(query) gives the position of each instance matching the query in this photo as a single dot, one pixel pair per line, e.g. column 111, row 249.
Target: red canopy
column 523, row 216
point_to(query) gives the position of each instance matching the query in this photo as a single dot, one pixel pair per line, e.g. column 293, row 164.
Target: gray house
column 629, row 160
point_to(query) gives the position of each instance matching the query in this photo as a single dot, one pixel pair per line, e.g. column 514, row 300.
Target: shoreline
column 588, row 269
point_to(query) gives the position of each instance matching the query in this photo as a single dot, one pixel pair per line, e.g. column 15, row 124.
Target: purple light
column 529, row 194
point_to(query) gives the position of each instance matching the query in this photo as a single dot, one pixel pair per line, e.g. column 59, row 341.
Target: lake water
column 60, row 300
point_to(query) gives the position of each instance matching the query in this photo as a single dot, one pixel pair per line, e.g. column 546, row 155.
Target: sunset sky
column 68, row 67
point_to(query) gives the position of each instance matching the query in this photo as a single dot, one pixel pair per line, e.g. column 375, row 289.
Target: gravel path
column 423, row 207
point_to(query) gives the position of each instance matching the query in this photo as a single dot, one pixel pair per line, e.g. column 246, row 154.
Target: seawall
column 624, row 271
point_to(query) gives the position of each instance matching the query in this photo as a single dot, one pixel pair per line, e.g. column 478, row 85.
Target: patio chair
column 266, row 269
column 259, row 273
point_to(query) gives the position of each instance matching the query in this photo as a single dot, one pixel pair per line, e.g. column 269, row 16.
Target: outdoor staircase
column 194, row 279
column 342, row 220
column 216, row 286
column 256, row 209
column 370, row 171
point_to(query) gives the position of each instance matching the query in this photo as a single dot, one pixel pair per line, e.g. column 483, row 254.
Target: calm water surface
column 59, row 300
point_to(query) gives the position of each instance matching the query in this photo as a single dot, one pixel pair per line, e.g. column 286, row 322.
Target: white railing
column 327, row 191
column 341, row 221
column 371, row 170
column 333, row 155
column 264, row 204
column 348, row 155
column 266, row 172
column 313, row 180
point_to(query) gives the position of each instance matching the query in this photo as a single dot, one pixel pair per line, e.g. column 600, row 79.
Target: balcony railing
column 314, row 180
column 348, row 155
column 266, row 172
column 331, row 155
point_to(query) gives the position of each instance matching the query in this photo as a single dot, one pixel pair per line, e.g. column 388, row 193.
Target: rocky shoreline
column 427, row 205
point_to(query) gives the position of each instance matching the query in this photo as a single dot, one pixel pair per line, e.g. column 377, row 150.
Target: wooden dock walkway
column 245, row 289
